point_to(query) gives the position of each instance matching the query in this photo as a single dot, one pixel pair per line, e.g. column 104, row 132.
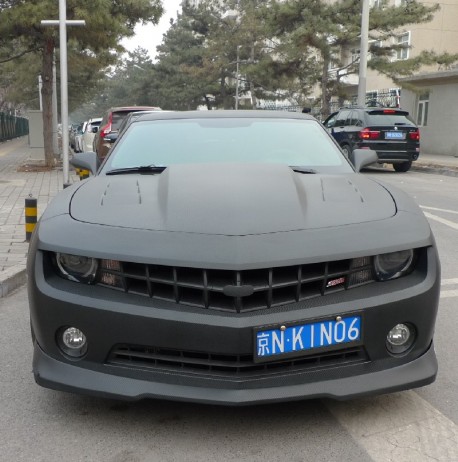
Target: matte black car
column 388, row 131
column 239, row 258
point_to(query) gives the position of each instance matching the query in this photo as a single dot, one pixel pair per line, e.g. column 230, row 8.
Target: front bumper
column 57, row 375
column 110, row 318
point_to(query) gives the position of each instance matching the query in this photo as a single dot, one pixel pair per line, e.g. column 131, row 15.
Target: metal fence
column 12, row 126
column 390, row 97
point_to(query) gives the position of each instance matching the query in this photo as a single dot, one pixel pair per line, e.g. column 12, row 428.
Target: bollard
column 30, row 216
column 84, row 174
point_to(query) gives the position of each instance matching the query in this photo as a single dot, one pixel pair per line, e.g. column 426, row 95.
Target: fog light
column 400, row 338
column 72, row 342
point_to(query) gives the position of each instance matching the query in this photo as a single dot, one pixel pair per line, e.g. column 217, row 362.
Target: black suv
column 388, row 131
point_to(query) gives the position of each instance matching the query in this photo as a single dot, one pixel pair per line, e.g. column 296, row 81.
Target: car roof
column 223, row 114
column 134, row 108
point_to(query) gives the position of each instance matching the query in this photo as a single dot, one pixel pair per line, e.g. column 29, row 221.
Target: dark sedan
column 232, row 257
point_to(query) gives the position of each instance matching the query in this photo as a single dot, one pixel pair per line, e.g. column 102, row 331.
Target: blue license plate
column 395, row 135
column 301, row 338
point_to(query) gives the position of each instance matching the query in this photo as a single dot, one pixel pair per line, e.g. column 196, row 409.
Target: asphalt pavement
column 21, row 178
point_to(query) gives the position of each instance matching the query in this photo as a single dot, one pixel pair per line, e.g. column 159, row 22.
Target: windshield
column 389, row 119
column 222, row 140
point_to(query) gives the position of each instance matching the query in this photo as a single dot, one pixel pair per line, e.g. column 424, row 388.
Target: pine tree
column 106, row 24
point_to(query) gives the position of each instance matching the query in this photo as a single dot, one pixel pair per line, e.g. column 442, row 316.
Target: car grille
column 143, row 357
column 236, row 291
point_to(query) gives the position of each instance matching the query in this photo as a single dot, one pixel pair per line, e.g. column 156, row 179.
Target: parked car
column 388, row 131
column 71, row 134
column 242, row 260
column 78, row 138
column 89, row 130
column 111, row 138
column 110, row 124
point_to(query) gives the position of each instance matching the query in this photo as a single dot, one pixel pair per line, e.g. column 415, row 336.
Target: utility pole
column 40, row 86
column 55, row 142
column 238, row 78
column 363, row 51
column 63, row 23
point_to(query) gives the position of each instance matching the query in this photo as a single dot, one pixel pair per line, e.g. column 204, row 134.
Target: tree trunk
column 46, row 93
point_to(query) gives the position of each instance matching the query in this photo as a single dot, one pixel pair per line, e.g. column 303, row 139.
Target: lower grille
column 236, row 291
column 143, row 357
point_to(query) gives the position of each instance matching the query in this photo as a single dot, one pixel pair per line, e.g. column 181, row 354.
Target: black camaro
column 232, row 257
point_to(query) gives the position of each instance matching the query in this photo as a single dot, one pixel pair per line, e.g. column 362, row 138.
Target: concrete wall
column 36, row 140
column 440, row 135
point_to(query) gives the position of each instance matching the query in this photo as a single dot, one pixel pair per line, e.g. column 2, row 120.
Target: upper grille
column 236, row 291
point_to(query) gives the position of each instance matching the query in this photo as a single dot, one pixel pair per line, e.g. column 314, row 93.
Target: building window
column 422, row 112
column 404, row 40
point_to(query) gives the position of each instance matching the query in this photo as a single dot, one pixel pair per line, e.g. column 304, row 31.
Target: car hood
column 230, row 199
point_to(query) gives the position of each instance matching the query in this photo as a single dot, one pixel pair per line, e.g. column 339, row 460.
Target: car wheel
column 403, row 166
column 346, row 150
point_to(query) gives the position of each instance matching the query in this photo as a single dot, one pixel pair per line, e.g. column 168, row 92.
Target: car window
column 356, row 119
column 342, row 118
column 330, row 121
column 91, row 125
column 118, row 118
column 390, row 119
column 166, row 142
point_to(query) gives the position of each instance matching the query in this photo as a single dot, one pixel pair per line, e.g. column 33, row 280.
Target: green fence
column 12, row 126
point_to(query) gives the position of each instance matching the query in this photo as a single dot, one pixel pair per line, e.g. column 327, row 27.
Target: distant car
column 232, row 257
column 388, row 131
column 110, row 124
column 78, row 138
column 89, row 130
column 111, row 138
column 72, row 133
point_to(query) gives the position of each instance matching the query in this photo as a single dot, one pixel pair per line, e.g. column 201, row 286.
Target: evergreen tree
column 316, row 33
column 98, row 43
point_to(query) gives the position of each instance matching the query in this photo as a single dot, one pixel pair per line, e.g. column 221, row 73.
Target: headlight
column 76, row 267
column 393, row 265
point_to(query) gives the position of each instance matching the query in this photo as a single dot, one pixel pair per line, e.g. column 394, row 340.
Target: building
column 434, row 108
column 439, row 35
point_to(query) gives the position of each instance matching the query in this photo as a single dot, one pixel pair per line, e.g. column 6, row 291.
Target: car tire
column 403, row 166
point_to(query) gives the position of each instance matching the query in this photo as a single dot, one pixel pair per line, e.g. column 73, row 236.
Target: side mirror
column 95, row 129
column 86, row 161
column 361, row 158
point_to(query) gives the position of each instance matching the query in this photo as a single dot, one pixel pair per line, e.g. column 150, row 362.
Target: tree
column 318, row 33
column 97, row 44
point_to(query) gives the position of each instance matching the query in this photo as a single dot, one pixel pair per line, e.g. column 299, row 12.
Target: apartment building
column 439, row 35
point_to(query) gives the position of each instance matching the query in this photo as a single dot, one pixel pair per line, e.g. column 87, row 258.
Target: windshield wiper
column 300, row 169
column 140, row 169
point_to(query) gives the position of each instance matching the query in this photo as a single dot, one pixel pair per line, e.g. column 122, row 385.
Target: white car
column 89, row 133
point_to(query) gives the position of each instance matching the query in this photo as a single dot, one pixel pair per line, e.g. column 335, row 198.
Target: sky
column 150, row 36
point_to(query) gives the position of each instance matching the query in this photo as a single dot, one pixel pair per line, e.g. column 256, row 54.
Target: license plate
column 395, row 135
column 299, row 339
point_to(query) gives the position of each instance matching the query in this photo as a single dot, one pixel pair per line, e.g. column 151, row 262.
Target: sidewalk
column 15, row 187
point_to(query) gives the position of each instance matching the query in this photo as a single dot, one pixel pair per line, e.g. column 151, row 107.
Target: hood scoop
column 230, row 199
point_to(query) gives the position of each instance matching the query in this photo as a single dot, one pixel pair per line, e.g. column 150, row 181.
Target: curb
column 12, row 278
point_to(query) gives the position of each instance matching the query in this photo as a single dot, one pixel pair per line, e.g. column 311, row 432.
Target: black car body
column 388, row 131
column 237, row 259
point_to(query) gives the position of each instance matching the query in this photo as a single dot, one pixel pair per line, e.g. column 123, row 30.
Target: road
column 41, row 425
